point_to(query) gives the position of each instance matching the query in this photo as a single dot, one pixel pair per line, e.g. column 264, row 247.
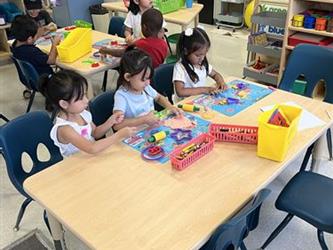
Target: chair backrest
column 162, row 80
column 101, row 107
column 231, row 234
column 116, row 26
column 24, row 134
column 27, row 73
column 315, row 63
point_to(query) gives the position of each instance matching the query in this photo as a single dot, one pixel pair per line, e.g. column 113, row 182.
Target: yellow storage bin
column 273, row 140
column 76, row 44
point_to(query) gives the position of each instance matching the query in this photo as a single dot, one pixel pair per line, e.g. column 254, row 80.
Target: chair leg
column 277, row 230
column 329, row 143
column 242, row 246
column 4, row 118
column 31, row 100
column 169, row 46
column 46, row 220
column 307, row 157
column 105, row 80
column 21, row 212
column 321, row 239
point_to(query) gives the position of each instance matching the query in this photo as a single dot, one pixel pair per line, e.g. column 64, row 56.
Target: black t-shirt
column 43, row 18
column 33, row 55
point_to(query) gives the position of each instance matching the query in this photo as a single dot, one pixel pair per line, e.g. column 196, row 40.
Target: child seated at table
column 133, row 20
column 157, row 48
column 24, row 30
column 135, row 97
column 191, row 71
column 42, row 17
column 74, row 129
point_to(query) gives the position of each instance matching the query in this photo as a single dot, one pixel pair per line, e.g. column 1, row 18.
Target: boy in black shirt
column 24, row 29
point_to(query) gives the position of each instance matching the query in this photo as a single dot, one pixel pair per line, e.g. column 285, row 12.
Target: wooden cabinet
column 4, row 47
column 295, row 7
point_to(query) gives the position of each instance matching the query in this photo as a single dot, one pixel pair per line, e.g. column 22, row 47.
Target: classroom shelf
column 276, row 19
column 263, row 77
column 311, row 31
column 265, row 50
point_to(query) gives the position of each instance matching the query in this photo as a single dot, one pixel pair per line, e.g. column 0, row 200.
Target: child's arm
column 101, row 130
column 218, row 79
column 66, row 134
column 164, row 102
column 181, row 91
column 128, row 35
column 119, row 52
column 148, row 119
column 53, row 52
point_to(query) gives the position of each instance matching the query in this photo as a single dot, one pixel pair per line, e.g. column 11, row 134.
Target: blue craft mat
column 169, row 143
column 255, row 94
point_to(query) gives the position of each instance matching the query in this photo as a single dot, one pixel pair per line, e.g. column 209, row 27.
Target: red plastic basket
column 234, row 133
column 188, row 160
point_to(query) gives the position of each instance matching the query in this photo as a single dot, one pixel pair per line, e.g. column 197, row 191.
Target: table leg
column 318, row 154
column 196, row 21
column 57, row 232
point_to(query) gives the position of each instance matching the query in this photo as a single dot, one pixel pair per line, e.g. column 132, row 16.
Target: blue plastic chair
column 116, row 27
column 23, row 134
column 308, row 196
column 9, row 11
column 28, row 77
column 101, row 107
column 315, row 63
column 162, row 82
column 231, row 234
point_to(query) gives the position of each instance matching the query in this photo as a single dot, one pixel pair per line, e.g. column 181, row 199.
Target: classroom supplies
column 188, row 107
column 274, row 141
column 185, row 155
column 309, row 22
column 176, row 136
column 166, row 6
column 76, row 44
column 253, row 94
column 82, row 24
column 158, row 136
column 330, row 25
column 234, row 133
column 278, row 118
column 153, row 153
column 321, row 24
column 298, row 20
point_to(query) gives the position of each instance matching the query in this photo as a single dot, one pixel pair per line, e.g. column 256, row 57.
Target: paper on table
column 308, row 120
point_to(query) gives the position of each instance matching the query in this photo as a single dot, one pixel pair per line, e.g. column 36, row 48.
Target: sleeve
column 164, row 24
column 47, row 17
column 129, row 20
column 151, row 91
column 119, row 102
column 179, row 73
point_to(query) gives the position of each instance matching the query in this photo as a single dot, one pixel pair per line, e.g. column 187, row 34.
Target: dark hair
column 187, row 44
column 133, row 7
column 33, row 4
column 151, row 22
column 133, row 62
column 64, row 85
column 24, row 27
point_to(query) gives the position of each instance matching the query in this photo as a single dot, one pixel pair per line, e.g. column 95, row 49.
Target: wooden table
column 115, row 200
column 183, row 16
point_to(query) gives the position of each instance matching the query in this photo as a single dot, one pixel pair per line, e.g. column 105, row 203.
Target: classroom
column 166, row 124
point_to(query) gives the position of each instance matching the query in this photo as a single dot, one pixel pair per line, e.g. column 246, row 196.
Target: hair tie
column 49, row 76
column 189, row 32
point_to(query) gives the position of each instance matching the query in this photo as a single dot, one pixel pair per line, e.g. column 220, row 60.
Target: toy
column 278, row 118
column 181, row 135
column 229, row 100
column 158, row 136
column 95, row 65
column 153, row 153
column 259, row 65
column 188, row 107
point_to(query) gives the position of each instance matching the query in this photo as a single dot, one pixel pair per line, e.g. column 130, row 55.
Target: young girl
column 135, row 97
column 133, row 20
column 190, row 73
column 74, row 130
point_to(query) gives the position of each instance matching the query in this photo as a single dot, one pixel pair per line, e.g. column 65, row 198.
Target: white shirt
column 180, row 74
column 132, row 104
column 85, row 131
column 134, row 22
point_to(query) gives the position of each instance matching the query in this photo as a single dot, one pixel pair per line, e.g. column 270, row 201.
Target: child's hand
column 222, row 86
column 103, row 50
column 211, row 90
column 129, row 40
column 151, row 119
column 126, row 132
column 56, row 40
column 116, row 118
column 177, row 111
